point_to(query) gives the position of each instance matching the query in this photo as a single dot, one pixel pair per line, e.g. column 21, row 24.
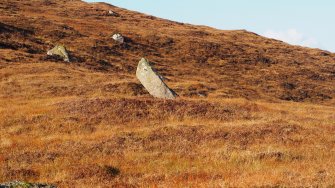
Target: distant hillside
column 195, row 59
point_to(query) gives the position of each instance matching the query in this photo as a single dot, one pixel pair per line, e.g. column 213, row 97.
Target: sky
column 300, row 22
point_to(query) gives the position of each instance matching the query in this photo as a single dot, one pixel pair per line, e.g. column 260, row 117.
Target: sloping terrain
column 252, row 111
column 196, row 59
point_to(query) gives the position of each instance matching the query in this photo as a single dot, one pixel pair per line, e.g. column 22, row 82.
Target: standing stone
column 60, row 51
column 153, row 82
column 118, row 38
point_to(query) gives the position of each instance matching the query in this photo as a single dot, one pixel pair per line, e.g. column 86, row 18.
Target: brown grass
column 92, row 138
column 91, row 124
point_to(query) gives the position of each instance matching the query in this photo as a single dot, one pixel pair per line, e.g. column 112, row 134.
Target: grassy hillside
column 252, row 111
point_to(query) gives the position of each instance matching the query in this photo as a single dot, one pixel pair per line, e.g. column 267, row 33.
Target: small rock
column 118, row 38
column 152, row 81
column 111, row 13
column 60, row 50
column 201, row 95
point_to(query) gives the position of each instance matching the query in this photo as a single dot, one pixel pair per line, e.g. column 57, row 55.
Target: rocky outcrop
column 152, row 81
column 60, row 50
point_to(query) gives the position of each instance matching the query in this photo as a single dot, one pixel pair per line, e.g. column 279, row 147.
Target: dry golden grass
column 91, row 124
column 93, row 138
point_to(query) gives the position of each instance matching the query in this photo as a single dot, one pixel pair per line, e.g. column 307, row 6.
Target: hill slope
column 195, row 59
column 252, row 111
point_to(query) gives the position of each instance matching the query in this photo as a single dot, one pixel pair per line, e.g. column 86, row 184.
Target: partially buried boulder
column 60, row 50
column 112, row 13
column 118, row 38
column 152, row 81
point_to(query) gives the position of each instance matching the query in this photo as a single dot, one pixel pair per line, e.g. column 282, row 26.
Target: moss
column 24, row 185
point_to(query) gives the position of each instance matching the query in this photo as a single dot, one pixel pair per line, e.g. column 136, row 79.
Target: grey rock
column 118, row 38
column 60, row 51
column 152, row 81
column 111, row 13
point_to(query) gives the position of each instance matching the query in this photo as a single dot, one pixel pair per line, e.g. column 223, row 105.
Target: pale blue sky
column 303, row 22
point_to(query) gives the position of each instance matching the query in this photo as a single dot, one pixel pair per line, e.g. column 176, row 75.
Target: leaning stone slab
column 152, row 81
column 60, row 51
